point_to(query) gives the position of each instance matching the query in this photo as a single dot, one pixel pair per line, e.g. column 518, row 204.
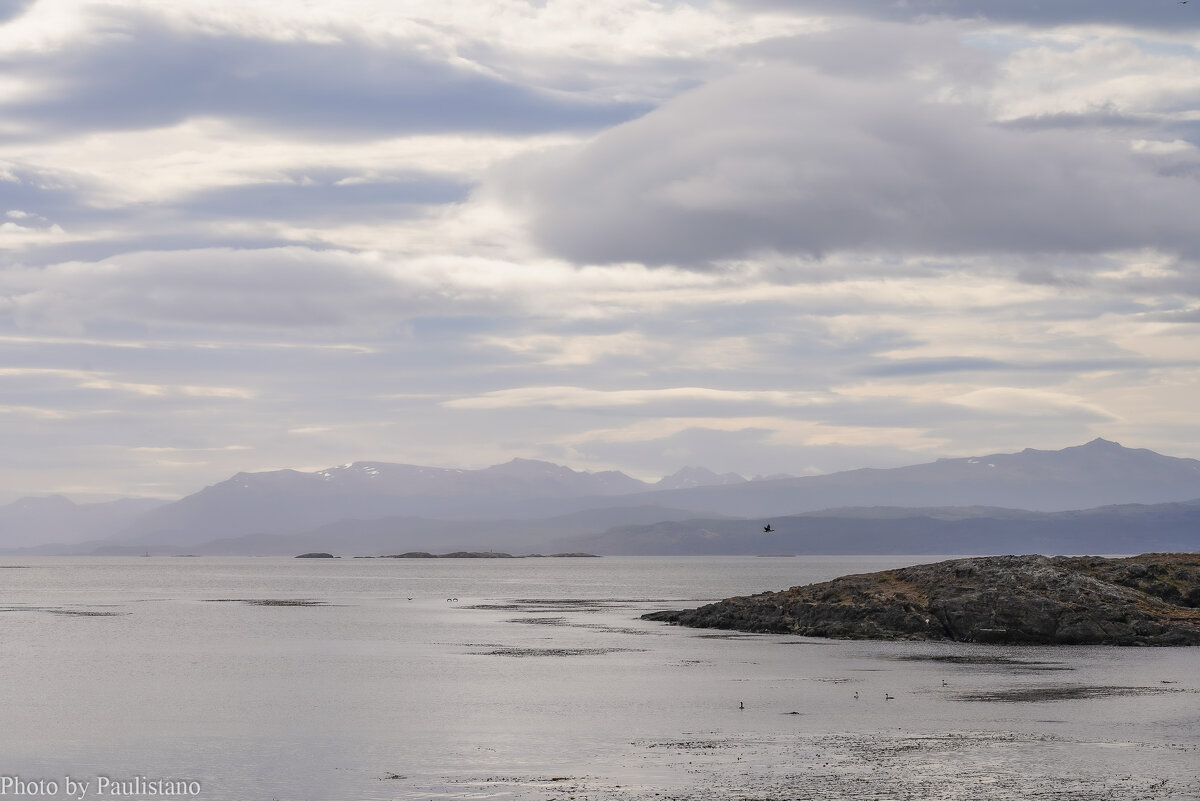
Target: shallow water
column 361, row 679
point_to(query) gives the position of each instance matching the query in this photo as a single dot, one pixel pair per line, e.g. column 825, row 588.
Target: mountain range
column 988, row 502
column 1119, row 529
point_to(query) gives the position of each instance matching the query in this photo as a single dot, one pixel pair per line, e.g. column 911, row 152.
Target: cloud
column 45, row 196
column 10, row 9
column 783, row 159
column 327, row 195
column 568, row 350
column 279, row 287
column 1166, row 16
column 585, row 398
column 132, row 70
column 1042, row 404
column 972, row 364
column 749, row 445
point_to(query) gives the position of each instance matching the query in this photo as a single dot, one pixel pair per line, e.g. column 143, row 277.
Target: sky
column 766, row 237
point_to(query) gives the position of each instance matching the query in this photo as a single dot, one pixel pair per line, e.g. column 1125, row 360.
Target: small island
column 1152, row 599
column 316, row 555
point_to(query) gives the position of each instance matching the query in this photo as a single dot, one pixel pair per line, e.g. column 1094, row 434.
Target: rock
column 1143, row 600
column 316, row 555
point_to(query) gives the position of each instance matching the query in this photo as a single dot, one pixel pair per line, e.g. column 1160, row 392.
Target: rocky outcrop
column 1151, row 599
column 316, row 555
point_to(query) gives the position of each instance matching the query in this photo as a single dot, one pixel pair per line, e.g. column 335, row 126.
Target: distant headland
column 478, row 555
column 1152, row 599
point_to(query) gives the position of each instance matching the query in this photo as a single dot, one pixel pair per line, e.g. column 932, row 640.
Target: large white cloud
column 786, row 159
column 134, row 70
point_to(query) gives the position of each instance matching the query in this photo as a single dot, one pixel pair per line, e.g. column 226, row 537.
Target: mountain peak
column 697, row 477
column 530, row 467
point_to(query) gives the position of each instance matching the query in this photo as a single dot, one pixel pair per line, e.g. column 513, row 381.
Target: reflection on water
column 395, row 679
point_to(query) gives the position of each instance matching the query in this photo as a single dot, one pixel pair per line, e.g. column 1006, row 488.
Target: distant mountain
column 285, row 501
column 1082, row 477
column 1123, row 529
column 54, row 519
column 288, row 502
column 697, row 477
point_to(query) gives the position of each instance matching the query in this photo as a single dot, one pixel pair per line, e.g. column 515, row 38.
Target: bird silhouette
column 767, row 529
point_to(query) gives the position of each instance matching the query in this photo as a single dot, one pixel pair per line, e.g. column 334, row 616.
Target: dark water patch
column 563, row 604
column 268, row 601
column 572, row 603
column 694, row 745
column 562, row 621
column 726, row 636
column 85, row 613
column 616, row 629
column 527, row 652
column 62, row 610
column 1059, row 692
column 984, row 659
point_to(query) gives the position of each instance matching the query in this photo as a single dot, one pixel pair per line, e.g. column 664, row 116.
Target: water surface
column 330, row 680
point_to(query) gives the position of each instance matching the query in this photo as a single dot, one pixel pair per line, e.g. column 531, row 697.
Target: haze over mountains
column 369, row 508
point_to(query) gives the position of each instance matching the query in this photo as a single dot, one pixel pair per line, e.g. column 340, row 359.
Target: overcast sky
column 795, row 236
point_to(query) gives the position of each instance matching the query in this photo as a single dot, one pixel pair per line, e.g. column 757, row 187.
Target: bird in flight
column 767, row 529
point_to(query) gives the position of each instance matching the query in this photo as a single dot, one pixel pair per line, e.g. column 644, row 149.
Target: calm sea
column 333, row 680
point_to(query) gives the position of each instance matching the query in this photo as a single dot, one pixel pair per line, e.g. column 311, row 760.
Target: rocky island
column 1152, row 599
